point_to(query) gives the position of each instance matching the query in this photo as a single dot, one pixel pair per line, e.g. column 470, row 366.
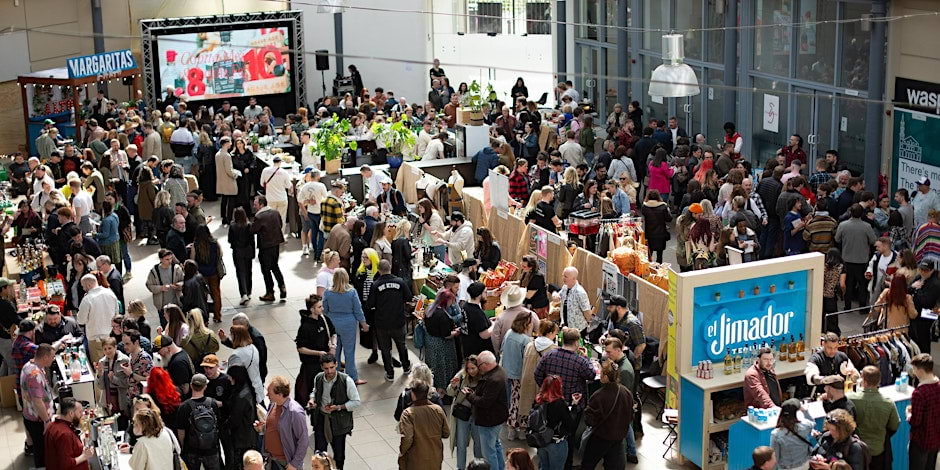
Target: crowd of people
column 135, row 175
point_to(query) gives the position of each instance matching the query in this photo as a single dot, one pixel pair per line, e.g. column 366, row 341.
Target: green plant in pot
column 329, row 141
column 475, row 101
column 397, row 137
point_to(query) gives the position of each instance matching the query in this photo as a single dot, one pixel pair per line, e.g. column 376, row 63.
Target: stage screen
column 226, row 64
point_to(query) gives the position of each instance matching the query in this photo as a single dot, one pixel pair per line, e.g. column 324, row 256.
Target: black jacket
column 845, row 201
column 397, row 202
column 241, row 240
column 643, row 148
column 656, row 219
column 116, row 283
column 439, row 324
column 388, row 296
column 314, row 334
column 401, row 258
column 492, row 257
column 928, row 294
column 176, row 242
column 242, row 415
column 194, row 294
column 769, row 191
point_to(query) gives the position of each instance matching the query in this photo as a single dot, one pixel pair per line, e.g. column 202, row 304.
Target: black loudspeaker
column 323, row 60
column 127, row 81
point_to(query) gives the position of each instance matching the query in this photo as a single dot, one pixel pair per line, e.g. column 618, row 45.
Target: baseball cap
column 161, row 342
column 277, row 158
column 199, row 381
column 6, row 282
column 790, row 408
column 48, row 121
column 925, row 181
column 475, row 289
column 927, row 264
column 211, row 360
column 309, row 169
column 834, row 381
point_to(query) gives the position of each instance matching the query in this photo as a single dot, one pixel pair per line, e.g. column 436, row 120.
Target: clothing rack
column 876, row 332
column 841, row 312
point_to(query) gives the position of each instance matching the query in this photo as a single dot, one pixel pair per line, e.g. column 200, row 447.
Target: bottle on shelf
column 800, row 348
column 792, row 347
column 738, row 362
column 773, row 349
column 729, row 363
column 783, row 355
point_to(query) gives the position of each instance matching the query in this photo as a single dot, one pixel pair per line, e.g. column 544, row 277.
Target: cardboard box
column 7, row 393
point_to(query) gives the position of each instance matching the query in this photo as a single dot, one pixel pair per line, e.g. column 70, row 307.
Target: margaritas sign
column 732, row 315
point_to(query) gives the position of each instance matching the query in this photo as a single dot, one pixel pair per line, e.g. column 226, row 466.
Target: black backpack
column 539, row 434
column 203, row 426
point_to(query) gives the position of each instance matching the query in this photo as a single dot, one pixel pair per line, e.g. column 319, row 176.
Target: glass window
column 651, row 108
column 610, row 9
column 588, row 11
column 851, row 131
column 655, row 18
column 539, row 14
column 855, row 49
column 689, row 16
column 772, row 44
column 612, row 83
column 815, row 58
column 766, row 142
column 715, row 50
column 714, row 102
column 485, row 17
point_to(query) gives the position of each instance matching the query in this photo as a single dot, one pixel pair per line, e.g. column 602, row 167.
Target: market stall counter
column 77, row 373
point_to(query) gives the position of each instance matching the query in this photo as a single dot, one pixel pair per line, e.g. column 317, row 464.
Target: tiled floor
column 374, row 443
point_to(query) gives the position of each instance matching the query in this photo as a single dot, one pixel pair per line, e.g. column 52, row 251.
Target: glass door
column 813, row 122
column 588, row 67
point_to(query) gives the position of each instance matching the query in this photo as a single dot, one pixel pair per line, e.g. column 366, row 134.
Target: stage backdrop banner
column 226, row 64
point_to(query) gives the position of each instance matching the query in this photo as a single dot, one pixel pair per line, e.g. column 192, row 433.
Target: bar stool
column 670, row 419
column 657, row 385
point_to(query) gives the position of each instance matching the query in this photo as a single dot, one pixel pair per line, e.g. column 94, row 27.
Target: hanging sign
column 913, row 155
column 771, row 113
column 104, row 64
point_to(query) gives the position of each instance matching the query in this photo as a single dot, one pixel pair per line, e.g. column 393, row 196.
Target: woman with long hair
column 656, row 219
column 331, row 261
column 358, row 235
column 568, row 193
column 382, row 236
column 195, row 290
column 898, row 309
column 205, row 157
column 552, row 456
column 163, row 213
column 683, row 226
column 206, row 252
column 536, row 288
column 146, row 201
column 176, row 185
column 401, row 251
column 241, row 403
column 588, row 199
column 156, row 447
column 702, row 242
column 707, row 164
column 833, row 286
column 519, row 89
column 511, row 354
column 366, row 273
column 660, row 174
column 441, row 354
column 108, row 236
column 243, row 160
column 790, row 438
column 176, row 327
column 201, row 341
column 78, row 267
column 342, row 306
column 487, row 249
column 419, row 373
column 431, row 221
column 460, row 411
column 245, row 353
column 518, row 459
column 710, row 186
column 242, row 242
column 165, row 395
column 907, row 265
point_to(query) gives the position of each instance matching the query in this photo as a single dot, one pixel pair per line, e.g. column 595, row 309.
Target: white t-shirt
column 325, row 279
column 435, row 150
column 83, row 204
column 276, row 182
column 307, row 158
column 314, row 190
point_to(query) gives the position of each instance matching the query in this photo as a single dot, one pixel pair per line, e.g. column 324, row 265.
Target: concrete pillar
column 876, row 90
column 561, row 39
column 338, row 39
column 97, row 27
column 728, row 110
column 623, row 55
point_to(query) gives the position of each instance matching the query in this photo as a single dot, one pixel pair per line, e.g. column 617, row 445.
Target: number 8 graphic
column 196, row 86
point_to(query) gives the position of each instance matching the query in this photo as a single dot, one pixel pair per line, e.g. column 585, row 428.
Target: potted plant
column 396, row 136
column 329, row 141
column 253, row 140
column 475, row 100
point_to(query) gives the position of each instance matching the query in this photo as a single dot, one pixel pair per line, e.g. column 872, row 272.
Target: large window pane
column 714, row 99
column 715, row 49
column 766, row 142
column 689, row 16
column 485, row 17
column 851, row 126
column 855, row 49
column 772, row 44
column 539, row 14
column 588, row 15
column 610, row 9
column 815, row 58
column 612, row 83
column 655, row 17
column 651, row 109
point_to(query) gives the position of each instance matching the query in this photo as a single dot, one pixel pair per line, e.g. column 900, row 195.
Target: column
column 97, row 27
column 729, row 98
column 876, row 90
column 338, row 39
column 623, row 55
column 561, row 39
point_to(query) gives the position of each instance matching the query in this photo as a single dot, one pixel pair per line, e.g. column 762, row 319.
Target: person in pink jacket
column 660, row 174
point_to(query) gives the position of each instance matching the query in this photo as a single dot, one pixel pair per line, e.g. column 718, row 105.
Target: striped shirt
column 927, row 242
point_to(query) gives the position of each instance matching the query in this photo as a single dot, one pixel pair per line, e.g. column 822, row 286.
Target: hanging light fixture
column 674, row 78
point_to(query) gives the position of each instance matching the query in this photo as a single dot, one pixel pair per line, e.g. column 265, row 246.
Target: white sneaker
column 306, row 251
column 511, row 434
column 245, row 299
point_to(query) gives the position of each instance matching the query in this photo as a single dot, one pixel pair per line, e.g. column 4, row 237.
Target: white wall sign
column 771, row 113
column 499, row 191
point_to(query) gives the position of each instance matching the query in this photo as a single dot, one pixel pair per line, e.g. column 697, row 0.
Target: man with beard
column 64, row 449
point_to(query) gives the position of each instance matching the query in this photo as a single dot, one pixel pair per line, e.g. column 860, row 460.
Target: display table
column 749, row 435
column 83, row 389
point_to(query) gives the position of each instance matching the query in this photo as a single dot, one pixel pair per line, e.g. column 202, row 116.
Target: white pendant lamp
column 674, row 78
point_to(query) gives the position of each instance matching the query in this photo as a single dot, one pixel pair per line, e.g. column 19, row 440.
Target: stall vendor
column 827, row 362
column 761, row 387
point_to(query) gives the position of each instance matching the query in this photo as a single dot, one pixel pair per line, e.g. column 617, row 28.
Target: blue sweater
column 343, row 306
column 511, row 354
column 108, row 230
column 486, row 159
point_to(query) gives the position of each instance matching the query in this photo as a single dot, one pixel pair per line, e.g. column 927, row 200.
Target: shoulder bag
column 586, row 436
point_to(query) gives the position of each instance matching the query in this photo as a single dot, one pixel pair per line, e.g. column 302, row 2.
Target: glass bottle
column 783, row 354
column 800, row 348
column 792, row 351
column 738, row 362
column 729, row 363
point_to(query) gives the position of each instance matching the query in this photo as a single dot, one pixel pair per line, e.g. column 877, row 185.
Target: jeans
column 768, row 238
column 346, row 328
column 463, row 433
column 611, row 452
column 338, row 444
column 491, row 446
column 316, row 235
column 126, row 256
column 552, row 456
column 35, row 430
column 630, row 442
column 920, row 459
column 208, row 462
column 243, row 267
column 384, row 338
column 269, row 258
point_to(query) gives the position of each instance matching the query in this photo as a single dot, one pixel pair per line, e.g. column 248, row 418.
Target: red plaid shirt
column 519, row 187
column 925, row 409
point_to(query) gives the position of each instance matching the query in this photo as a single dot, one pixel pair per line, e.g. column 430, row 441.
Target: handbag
column 588, row 431
column 462, row 412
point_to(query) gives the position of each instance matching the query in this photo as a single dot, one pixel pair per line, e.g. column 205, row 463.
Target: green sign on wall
column 912, row 156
